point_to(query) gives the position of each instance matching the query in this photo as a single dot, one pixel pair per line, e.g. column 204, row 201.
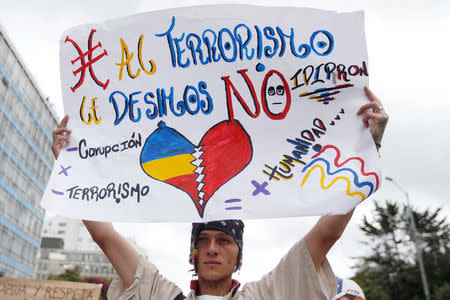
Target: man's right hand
column 60, row 136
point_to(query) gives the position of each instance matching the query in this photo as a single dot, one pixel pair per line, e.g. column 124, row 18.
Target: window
column 44, row 255
column 3, row 50
column 3, row 236
column 61, row 232
column 5, row 81
column 36, row 227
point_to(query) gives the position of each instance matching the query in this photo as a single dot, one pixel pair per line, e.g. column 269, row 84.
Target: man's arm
column 324, row 234
column 117, row 249
column 329, row 229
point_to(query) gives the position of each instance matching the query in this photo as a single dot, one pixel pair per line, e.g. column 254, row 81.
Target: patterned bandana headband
column 234, row 228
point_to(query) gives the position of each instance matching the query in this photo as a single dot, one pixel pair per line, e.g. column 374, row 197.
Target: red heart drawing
column 223, row 152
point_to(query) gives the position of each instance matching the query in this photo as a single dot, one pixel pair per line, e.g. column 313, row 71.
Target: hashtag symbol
column 89, row 63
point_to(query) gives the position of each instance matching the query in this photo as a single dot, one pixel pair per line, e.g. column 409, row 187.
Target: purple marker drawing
column 64, row 170
column 233, row 208
column 57, row 192
column 72, row 149
column 260, row 188
column 232, row 200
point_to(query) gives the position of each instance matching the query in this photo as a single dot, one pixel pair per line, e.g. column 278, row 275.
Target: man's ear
column 191, row 254
column 239, row 263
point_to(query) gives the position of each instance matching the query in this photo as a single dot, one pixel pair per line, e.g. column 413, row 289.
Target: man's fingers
column 366, row 106
column 368, row 116
column 62, row 139
column 374, row 104
column 60, row 136
column 370, row 94
column 64, row 121
column 60, row 132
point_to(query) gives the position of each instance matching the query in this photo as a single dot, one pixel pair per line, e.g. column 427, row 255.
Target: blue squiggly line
column 355, row 176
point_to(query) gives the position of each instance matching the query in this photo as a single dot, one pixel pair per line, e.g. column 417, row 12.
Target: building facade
column 71, row 231
column 54, row 261
column 66, row 244
column 26, row 161
column 75, row 249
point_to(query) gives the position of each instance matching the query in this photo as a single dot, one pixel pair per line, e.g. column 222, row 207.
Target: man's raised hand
column 60, row 136
column 377, row 115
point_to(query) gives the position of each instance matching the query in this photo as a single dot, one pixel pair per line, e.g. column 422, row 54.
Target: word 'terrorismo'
column 231, row 44
column 115, row 191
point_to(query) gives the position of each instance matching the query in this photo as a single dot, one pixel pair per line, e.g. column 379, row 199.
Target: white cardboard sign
column 214, row 112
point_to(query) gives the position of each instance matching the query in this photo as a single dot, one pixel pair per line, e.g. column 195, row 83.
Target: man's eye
column 225, row 241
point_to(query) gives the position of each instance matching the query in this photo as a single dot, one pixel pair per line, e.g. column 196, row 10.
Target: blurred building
column 67, row 244
column 71, row 231
column 55, row 260
column 26, row 161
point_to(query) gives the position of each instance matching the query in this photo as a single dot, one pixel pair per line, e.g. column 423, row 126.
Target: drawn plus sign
column 87, row 64
column 260, row 188
column 64, row 170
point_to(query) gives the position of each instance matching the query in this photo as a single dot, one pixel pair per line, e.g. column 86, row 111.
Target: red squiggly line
column 336, row 161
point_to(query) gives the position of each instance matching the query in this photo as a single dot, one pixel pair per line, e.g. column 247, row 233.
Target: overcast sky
column 408, row 49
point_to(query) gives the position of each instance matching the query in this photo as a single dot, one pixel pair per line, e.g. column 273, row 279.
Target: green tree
column 442, row 293
column 391, row 270
column 68, row 275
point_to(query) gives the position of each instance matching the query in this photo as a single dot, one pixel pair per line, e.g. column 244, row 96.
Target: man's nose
column 212, row 248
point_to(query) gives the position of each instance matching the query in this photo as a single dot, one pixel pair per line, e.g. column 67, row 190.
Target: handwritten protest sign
column 24, row 289
column 214, row 112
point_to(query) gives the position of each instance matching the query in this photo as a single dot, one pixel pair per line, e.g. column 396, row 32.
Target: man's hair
column 234, row 228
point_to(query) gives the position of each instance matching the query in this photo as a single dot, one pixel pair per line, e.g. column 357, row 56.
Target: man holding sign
column 206, row 118
column 216, row 250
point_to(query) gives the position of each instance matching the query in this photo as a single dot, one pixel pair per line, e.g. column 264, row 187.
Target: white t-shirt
column 208, row 297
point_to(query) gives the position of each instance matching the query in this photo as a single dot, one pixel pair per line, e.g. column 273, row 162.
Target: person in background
column 348, row 290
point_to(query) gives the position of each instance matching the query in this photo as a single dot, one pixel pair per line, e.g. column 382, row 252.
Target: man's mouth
column 212, row 262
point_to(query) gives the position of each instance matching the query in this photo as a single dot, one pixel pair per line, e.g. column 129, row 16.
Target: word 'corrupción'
column 85, row 152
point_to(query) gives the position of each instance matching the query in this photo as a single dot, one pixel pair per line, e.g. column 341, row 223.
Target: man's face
column 217, row 255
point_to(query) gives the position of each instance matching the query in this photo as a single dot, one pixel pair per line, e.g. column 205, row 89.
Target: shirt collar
column 234, row 285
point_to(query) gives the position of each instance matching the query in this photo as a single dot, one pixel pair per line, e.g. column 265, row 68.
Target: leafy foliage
column 74, row 275
column 68, row 275
column 391, row 270
column 442, row 293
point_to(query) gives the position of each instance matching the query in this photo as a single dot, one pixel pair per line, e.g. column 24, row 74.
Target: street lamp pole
column 413, row 233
